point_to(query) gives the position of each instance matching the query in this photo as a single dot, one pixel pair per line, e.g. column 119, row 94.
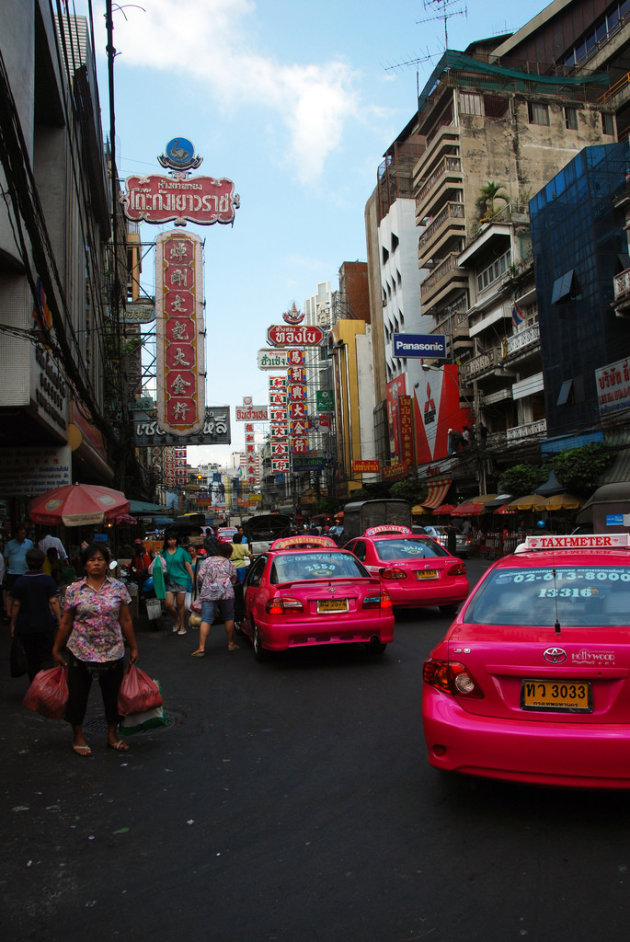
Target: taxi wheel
column 448, row 610
column 375, row 647
column 259, row 652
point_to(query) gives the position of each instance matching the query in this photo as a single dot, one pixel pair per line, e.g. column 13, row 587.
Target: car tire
column 259, row 652
column 375, row 647
column 449, row 610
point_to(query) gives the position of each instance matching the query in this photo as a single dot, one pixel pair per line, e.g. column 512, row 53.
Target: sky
column 296, row 103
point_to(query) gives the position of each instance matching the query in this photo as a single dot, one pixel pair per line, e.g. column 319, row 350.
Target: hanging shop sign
column 214, row 431
column 159, row 199
column 420, row 345
column 251, row 413
column 180, row 349
column 613, row 387
column 366, row 467
column 285, row 335
column 324, row 400
column 273, row 359
column 27, row 471
column 139, row 312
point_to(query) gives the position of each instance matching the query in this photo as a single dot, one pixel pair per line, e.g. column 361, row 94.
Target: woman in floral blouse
column 95, row 624
column 216, row 578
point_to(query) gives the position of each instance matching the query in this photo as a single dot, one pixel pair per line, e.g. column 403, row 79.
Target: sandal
column 83, row 750
column 198, row 654
column 233, row 647
column 119, row 746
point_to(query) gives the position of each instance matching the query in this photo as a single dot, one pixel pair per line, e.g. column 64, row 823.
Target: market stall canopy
column 446, row 509
column 528, row 502
column 499, row 501
column 437, row 491
column 612, row 498
column 473, row 507
column 551, row 486
column 77, row 505
column 563, row 501
column 418, row 509
column 125, row 518
column 145, row 508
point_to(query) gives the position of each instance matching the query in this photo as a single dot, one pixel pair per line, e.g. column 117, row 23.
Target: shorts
column 225, row 606
column 175, row 589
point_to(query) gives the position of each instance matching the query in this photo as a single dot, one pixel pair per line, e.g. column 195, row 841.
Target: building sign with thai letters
column 180, row 199
column 28, row 471
column 215, row 430
column 285, row 335
column 252, row 413
column 363, row 467
column 272, row 359
column 180, row 349
column 613, row 387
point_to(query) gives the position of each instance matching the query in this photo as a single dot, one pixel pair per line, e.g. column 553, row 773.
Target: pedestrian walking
column 53, row 542
column 35, row 614
column 95, row 624
column 15, row 564
column 217, row 576
column 241, row 557
column 178, row 577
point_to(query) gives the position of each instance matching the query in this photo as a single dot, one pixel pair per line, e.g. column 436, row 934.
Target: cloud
column 204, row 39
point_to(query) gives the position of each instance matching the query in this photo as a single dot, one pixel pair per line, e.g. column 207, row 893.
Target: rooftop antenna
column 444, row 8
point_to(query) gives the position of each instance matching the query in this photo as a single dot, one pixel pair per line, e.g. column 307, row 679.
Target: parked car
column 416, row 570
column 306, row 591
column 463, row 544
column 532, row 681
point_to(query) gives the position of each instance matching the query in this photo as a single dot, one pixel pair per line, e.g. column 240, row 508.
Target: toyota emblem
column 555, row 655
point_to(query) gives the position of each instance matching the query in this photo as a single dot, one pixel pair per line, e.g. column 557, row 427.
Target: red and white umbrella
column 77, row 505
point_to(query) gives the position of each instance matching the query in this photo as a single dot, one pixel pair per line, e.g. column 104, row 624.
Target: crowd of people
column 77, row 613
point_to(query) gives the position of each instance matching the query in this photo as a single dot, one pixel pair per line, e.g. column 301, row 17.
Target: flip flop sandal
column 82, row 750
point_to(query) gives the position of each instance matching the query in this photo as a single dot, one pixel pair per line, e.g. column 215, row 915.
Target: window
column 494, row 106
column 490, row 274
column 470, row 103
column 608, row 123
column 565, row 287
column 571, row 392
column 571, row 119
column 538, row 113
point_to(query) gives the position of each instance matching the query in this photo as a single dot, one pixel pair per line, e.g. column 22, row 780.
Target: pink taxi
column 306, row 591
column 532, row 681
column 416, row 570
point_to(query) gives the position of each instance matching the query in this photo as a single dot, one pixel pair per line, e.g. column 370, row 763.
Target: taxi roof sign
column 303, row 541
column 388, row 528
column 578, row 541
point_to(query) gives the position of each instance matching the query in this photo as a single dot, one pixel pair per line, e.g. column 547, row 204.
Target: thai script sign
column 159, row 199
column 364, row 467
column 28, row 471
column 214, row 431
column 613, row 386
column 284, row 335
column 180, row 350
column 252, row 413
column 272, row 359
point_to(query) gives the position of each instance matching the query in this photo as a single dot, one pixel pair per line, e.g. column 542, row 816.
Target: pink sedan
column 306, row 591
column 532, row 680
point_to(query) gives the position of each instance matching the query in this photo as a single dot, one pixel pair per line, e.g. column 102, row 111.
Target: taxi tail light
column 377, row 600
column 390, row 572
column 458, row 570
column 282, row 604
column 451, row 677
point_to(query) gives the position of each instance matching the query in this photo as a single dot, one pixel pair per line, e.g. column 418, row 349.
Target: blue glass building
column 579, row 243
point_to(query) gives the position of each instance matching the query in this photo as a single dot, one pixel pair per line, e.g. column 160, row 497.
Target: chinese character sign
column 180, row 351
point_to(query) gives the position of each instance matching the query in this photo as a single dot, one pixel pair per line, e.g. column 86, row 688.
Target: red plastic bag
column 138, row 692
column 48, row 693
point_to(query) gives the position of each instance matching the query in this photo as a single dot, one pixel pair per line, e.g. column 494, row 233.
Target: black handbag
column 18, row 664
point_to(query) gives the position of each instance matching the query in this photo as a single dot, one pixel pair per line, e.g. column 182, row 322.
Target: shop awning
column 619, row 470
column 145, row 508
column 437, row 492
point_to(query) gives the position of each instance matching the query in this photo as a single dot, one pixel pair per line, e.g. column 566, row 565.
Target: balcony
column 448, row 166
column 530, row 430
column 480, row 364
column 451, row 211
column 432, row 281
column 520, row 341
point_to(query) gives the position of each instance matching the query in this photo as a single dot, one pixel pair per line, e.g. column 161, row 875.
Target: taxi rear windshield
column 316, row 566
column 408, row 548
column 578, row 596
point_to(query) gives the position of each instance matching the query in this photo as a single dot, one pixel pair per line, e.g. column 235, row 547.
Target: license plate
column 332, row 605
column 561, row 696
column 427, row 573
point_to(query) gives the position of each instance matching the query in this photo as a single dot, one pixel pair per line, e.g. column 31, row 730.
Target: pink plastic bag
column 48, row 693
column 138, row 692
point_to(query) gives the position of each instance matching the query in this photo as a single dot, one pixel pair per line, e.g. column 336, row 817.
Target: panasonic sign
column 420, row 345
